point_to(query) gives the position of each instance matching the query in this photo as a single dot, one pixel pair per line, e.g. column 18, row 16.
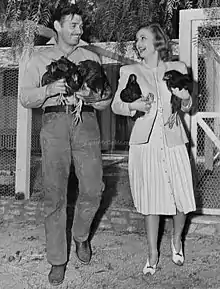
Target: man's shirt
column 32, row 94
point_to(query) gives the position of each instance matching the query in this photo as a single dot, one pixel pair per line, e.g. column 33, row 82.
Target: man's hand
column 87, row 95
column 101, row 105
column 57, row 87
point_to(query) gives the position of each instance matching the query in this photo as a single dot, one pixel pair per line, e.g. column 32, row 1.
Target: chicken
column 131, row 93
column 73, row 77
column 54, row 71
column 64, row 68
column 94, row 76
column 175, row 79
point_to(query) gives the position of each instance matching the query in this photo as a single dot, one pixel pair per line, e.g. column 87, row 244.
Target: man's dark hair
column 62, row 11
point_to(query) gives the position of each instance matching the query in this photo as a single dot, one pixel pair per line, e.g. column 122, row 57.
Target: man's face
column 70, row 29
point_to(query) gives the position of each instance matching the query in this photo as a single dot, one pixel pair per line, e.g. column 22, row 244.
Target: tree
column 104, row 20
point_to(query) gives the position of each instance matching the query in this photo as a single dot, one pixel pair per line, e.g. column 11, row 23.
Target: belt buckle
column 69, row 108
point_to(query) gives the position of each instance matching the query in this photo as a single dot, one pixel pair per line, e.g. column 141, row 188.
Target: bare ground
column 117, row 262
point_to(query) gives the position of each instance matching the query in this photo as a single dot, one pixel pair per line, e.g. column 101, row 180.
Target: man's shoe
column 56, row 275
column 83, row 251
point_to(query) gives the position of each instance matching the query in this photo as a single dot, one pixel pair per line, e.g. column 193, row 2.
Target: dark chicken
column 175, row 79
column 94, row 76
column 63, row 68
column 89, row 72
column 131, row 93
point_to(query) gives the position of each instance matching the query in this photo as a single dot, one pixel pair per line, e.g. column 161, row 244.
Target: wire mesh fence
column 8, row 132
column 35, row 166
column 8, row 126
column 208, row 157
column 115, row 130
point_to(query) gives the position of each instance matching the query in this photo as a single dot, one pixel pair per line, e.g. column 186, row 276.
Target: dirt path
column 117, row 262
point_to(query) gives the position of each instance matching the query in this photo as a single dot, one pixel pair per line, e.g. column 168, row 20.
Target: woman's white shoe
column 148, row 269
column 177, row 257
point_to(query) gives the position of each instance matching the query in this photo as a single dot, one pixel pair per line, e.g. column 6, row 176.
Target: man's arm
column 101, row 105
column 89, row 97
column 31, row 95
column 107, row 95
column 93, row 99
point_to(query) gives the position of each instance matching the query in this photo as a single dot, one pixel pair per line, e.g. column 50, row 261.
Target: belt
column 67, row 108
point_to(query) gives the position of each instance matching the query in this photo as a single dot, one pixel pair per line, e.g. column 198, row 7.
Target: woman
column 159, row 168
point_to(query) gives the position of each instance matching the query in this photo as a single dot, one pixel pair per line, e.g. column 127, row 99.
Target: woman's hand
column 185, row 96
column 140, row 105
column 183, row 93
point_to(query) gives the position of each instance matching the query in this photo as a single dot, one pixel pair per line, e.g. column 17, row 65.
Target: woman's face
column 145, row 43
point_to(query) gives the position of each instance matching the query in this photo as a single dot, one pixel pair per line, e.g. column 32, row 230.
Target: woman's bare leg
column 152, row 226
column 178, row 226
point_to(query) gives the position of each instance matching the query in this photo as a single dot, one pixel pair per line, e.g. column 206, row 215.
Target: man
column 62, row 141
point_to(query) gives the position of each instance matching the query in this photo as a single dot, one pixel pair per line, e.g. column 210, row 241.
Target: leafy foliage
column 169, row 8
column 120, row 19
column 104, row 20
column 208, row 3
column 117, row 20
column 22, row 17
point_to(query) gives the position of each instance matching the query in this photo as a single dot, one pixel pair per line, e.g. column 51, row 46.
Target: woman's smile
column 141, row 50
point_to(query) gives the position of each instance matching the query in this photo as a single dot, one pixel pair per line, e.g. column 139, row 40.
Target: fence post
column 23, row 141
column 186, row 52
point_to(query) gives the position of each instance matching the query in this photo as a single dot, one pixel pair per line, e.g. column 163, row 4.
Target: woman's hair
column 161, row 41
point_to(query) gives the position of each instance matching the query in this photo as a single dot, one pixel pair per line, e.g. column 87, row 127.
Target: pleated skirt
column 161, row 179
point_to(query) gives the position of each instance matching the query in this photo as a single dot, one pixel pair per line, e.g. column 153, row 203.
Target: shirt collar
column 54, row 43
column 158, row 70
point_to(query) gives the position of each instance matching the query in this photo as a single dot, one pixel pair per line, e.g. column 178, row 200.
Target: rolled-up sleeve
column 187, row 108
column 118, row 106
column 31, row 94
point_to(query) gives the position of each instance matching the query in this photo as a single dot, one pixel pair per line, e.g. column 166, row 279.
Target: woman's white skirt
column 161, row 179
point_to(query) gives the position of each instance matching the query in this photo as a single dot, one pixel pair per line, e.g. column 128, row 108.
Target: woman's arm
column 184, row 94
column 118, row 106
column 186, row 104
